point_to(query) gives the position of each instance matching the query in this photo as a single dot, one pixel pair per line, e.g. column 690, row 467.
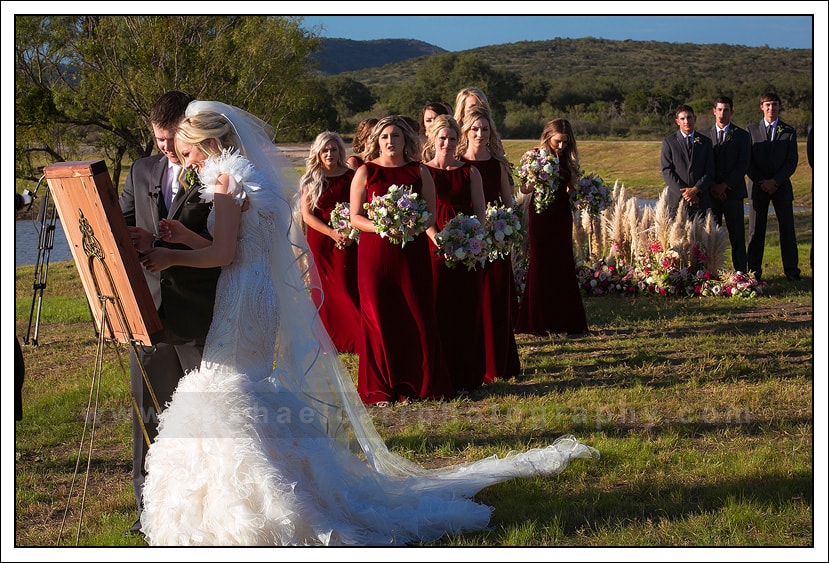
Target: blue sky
column 458, row 33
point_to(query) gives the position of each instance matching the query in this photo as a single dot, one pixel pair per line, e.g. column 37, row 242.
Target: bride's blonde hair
column 197, row 129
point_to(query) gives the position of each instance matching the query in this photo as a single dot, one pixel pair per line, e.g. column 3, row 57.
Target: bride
column 268, row 443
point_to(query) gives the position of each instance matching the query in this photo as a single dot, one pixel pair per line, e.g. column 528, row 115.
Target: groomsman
column 732, row 156
column 773, row 161
column 687, row 159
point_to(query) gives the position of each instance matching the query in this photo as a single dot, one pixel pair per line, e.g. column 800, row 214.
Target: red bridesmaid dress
column 340, row 302
column 552, row 300
column 499, row 296
column 401, row 357
column 457, row 290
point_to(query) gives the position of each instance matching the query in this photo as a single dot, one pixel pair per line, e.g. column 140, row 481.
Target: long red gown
column 499, row 297
column 340, row 302
column 457, row 290
column 552, row 300
column 401, row 356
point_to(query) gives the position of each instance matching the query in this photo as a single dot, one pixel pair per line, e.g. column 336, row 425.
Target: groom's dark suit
column 682, row 168
column 184, row 297
column 731, row 161
column 775, row 159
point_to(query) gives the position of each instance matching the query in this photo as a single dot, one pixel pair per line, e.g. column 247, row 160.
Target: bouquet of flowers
column 399, row 215
column 590, row 194
column 505, row 230
column 540, row 170
column 341, row 222
column 463, row 240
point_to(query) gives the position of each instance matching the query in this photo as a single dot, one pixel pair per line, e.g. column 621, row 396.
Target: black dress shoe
column 135, row 529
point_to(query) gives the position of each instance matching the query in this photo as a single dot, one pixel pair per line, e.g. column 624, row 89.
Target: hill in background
column 630, row 62
column 606, row 88
column 344, row 55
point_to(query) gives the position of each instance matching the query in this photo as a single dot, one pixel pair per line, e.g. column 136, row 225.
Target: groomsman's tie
column 769, row 132
column 689, row 142
column 720, row 135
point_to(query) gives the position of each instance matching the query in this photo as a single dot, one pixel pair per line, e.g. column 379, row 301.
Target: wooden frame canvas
column 103, row 251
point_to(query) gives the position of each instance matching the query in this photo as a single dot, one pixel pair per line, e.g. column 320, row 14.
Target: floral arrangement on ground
column 629, row 248
column 662, row 277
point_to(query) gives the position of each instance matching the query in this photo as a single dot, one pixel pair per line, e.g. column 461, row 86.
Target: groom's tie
column 174, row 185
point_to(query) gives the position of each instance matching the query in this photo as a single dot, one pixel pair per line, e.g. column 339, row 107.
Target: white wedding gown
column 251, row 455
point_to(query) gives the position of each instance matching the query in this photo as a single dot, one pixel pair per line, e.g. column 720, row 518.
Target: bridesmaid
column 358, row 144
column 427, row 115
column 467, row 98
column 552, row 300
column 326, row 182
column 481, row 146
column 457, row 291
column 401, row 357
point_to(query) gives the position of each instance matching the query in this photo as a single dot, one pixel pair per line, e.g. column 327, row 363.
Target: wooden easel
column 119, row 298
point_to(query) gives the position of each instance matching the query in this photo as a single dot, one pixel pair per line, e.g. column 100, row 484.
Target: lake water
column 27, row 240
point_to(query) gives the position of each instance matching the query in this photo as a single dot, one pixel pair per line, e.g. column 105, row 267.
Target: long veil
column 307, row 363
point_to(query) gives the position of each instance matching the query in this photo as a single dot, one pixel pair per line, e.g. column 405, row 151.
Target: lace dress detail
column 246, row 316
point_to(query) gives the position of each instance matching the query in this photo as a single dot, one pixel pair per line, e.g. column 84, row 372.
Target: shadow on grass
column 452, row 428
column 628, row 506
column 99, row 464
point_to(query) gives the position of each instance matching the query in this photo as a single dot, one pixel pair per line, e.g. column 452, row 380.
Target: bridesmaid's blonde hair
column 495, row 146
column 372, row 148
column 314, row 182
column 460, row 101
column 440, row 122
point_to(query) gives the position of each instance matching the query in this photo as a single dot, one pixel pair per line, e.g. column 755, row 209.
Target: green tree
column 89, row 81
column 348, row 95
column 441, row 77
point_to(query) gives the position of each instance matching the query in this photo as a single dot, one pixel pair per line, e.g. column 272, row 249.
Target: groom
column 184, row 296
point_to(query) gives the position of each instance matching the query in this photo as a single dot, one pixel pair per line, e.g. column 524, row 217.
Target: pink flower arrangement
column 505, row 228
column 661, row 275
